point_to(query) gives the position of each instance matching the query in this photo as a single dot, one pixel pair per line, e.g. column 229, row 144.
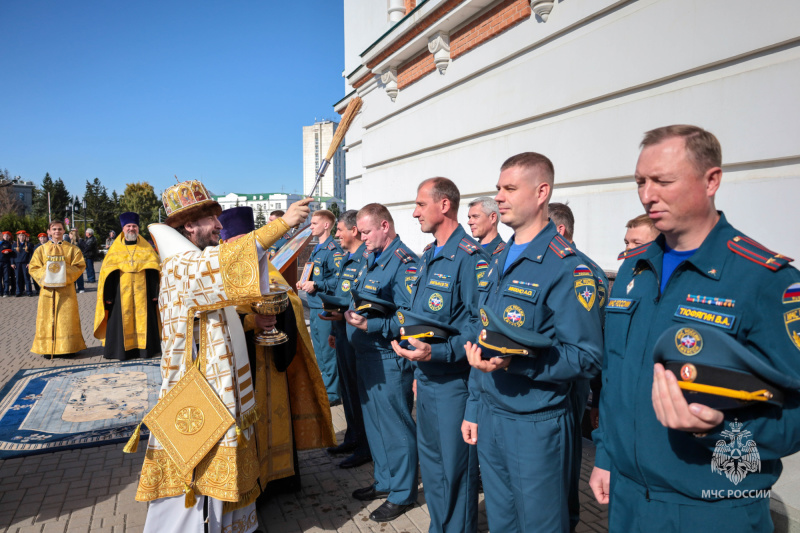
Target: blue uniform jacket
column 347, row 275
column 550, row 291
column 327, row 257
column 6, row 251
column 760, row 314
column 447, row 291
column 23, row 253
column 389, row 277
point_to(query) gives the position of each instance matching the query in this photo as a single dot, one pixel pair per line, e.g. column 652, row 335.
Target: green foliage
column 32, row 224
column 334, row 208
column 141, row 198
column 101, row 211
column 60, row 199
column 261, row 220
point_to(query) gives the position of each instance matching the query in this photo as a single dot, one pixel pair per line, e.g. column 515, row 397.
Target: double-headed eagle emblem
column 738, row 457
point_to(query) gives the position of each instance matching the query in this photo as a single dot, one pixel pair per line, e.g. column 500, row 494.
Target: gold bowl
column 273, row 303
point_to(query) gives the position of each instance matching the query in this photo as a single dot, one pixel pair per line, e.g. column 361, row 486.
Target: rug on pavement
column 53, row 409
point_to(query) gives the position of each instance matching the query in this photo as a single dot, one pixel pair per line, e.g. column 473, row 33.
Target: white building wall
column 582, row 88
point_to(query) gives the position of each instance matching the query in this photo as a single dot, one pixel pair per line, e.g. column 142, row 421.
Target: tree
column 9, row 203
column 100, row 213
column 261, row 220
column 141, row 199
column 334, row 208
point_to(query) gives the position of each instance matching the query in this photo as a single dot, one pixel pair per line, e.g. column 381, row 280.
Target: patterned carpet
column 48, row 409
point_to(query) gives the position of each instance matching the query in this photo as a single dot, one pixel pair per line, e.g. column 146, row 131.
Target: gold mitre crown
column 187, row 201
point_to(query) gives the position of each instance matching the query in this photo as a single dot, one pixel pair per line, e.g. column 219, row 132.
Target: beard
column 206, row 238
column 131, row 236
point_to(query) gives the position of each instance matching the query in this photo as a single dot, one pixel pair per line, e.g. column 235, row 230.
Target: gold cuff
column 269, row 234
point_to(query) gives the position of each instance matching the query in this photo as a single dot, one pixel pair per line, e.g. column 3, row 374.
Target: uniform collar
column 358, row 255
column 386, row 255
column 537, row 248
column 324, row 244
column 494, row 242
column 450, row 247
column 707, row 260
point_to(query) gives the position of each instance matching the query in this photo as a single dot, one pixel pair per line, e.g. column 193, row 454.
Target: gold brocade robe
column 203, row 284
column 57, row 317
column 131, row 261
column 298, row 392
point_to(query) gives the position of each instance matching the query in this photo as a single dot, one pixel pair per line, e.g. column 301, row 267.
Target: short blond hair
column 327, row 215
column 702, row 147
column 641, row 220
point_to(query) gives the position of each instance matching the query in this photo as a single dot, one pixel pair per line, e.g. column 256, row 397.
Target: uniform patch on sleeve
column 481, row 264
column 586, row 291
column 582, row 270
column 619, row 303
column 711, row 318
column 792, row 321
column 792, row 294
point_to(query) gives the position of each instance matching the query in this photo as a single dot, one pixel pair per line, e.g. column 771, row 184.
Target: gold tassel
column 240, row 439
column 190, row 499
column 249, row 418
column 133, row 443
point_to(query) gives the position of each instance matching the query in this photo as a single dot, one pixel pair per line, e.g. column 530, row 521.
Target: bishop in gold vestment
column 201, row 285
column 126, row 314
column 286, row 379
column 58, row 324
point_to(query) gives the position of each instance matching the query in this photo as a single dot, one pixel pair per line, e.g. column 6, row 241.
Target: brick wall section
column 421, row 26
column 492, row 23
column 362, row 81
column 410, row 4
column 500, row 18
column 414, row 69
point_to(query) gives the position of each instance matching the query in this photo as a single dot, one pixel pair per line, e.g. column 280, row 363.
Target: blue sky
column 138, row 91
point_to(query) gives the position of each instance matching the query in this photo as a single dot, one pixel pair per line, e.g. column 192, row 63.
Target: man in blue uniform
column 326, row 259
column 446, row 291
column 355, row 438
column 384, row 379
column 561, row 215
column 656, row 453
column 519, row 411
column 482, row 219
column 6, row 260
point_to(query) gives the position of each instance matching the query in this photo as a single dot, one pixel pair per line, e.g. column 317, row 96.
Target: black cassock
column 115, row 340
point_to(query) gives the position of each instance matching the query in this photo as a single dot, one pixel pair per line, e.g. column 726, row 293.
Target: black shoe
column 367, row 494
column 355, row 460
column 345, row 447
column 389, row 511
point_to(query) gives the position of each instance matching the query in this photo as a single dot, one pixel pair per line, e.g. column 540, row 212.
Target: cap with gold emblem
column 369, row 305
column 715, row 370
column 187, row 201
column 499, row 338
column 423, row 328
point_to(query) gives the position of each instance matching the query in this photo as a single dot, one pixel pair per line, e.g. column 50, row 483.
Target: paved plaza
column 92, row 489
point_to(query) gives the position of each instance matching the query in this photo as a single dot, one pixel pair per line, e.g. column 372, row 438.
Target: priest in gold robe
column 201, row 286
column 126, row 314
column 55, row 266
column 282, row 377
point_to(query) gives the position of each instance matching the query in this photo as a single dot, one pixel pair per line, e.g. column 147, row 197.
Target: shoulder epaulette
column 404, row 256
column 755, row 252
column 427, row 248
column 634, row 251
column 561, row 247
column 500, row 248
column 331, row 245
column 468, row 245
